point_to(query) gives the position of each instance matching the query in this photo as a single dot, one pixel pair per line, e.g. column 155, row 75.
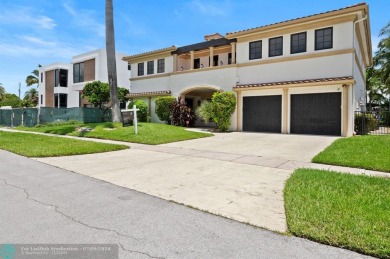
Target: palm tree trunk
column 111, row 62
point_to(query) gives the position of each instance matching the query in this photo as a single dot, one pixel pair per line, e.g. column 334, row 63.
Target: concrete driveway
column 237, row 175
column 291, row 147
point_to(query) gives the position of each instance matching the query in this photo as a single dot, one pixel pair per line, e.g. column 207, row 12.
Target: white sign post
column 135, row 117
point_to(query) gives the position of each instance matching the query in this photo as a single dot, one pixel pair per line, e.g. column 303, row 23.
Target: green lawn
column 33, row 145
column 148, row 133
column 368, row 152
column 349, row 211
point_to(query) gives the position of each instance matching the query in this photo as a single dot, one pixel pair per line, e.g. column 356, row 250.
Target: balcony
column 214, row 53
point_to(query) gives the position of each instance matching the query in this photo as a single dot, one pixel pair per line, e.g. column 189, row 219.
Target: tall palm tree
column 2, row 92
column 376, row 90
column 382, row 57
column 33, row 79
column 111, row 62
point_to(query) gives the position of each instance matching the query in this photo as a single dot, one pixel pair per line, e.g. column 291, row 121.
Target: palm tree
column 382, row 56
column 31, row 95
column 376, row 90
column 2, row 92
column 33, row 79
column 111, row 62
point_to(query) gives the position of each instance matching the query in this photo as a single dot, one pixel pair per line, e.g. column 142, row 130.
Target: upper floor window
column 150, row 67
column 78, row 72
column 324, row 38
column 61, row 78
column 298, row 42
column 128, row 66
column 140, row 69
column 41, row 77
column 255, row 49
column 275, row 47
column 161, row 65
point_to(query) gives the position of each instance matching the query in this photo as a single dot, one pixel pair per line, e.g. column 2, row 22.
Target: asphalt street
column 41, row 204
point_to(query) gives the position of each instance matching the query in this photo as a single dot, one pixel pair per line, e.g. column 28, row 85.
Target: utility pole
column 19, row 90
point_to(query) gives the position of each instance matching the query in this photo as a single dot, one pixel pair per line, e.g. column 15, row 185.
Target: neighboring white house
column 301, row 76
column 61, row 84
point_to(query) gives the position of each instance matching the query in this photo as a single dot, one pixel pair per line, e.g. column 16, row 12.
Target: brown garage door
column 318, row 114
column 262, row 113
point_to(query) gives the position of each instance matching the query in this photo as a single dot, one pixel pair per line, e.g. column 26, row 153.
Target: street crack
column 28, row 197
column 139, row 252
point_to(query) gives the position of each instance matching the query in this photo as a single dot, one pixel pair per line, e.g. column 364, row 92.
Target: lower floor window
column 61, row 99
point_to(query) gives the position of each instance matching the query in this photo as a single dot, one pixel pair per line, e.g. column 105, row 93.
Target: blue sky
column 47, row 31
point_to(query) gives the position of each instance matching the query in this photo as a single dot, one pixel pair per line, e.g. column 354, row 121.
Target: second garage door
column 318, row 114
column 262, row 113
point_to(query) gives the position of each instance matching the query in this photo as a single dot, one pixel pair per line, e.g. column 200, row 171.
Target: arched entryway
column 195, row 95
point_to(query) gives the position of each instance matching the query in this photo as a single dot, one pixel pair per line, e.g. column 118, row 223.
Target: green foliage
column 97, row 93
column 382, row 56
column 2, row 91
column 142, row 114
column 224, row 105
column 33, row 79
column 163, row 107
column 364, row 123
column 122, row 92
column 344, row 210
column 181, row 115
column 205, row 111
column 30, row 98
column 11, row 100
column 369, row 152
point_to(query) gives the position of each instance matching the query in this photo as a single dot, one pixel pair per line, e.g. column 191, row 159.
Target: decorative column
column 285, row 106
column 344, row 105
column 174, row 62
column 233, row 44
column 211, row 57
column 192, row 59
column 239, row 111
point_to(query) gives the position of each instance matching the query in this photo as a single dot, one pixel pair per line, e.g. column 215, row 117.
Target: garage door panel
column 316, row 114
column 262, row 113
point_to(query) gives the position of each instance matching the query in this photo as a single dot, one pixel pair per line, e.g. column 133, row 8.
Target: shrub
column 364, row 123
column 163, row 107
column 205, row 111
column 181, row 115
column 10, row 100
column 223, row 106
column 142, row 114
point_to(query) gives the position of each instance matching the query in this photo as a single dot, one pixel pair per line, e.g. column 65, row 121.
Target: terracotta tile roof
column 172, row 48
column 148, row 93
column 352, row 6
column 306, row 81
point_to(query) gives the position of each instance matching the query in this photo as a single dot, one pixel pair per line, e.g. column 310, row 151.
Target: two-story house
column 301, row 76
column 61, row 84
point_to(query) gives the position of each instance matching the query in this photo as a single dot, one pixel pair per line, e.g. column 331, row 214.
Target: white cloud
column 211, row 9
column 32, row 47
column 36, row 41
column 133, row 28
column 85, row 18
column 45, row 22
column 69, row 8
column 25, row 17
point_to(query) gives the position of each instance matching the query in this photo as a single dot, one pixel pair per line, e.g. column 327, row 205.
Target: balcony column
column 233, row 44
column 192, row 59
column 211, row 57
column 174, row 62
